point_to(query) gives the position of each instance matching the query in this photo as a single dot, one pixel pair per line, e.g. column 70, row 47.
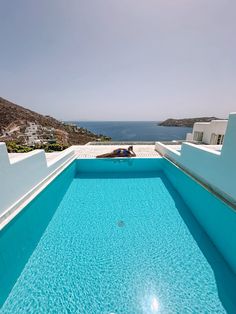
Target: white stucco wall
column 200, row 126
column 215, row 126
column 21, row 175
column 189, row 136
column 217, row 169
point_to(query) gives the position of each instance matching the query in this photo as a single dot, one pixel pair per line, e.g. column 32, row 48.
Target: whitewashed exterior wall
column 217, row 169
column 19, row 177
column 208, row 128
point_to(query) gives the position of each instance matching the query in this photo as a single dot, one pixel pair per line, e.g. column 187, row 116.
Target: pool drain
column 120, row 223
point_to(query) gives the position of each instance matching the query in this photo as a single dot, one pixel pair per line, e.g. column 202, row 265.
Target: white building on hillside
column 31, row 133
column 37, row 134
column 211, row 133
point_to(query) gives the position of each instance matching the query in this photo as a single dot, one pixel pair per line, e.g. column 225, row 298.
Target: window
column 197, row 136
column 217, row 139
column 220, row 139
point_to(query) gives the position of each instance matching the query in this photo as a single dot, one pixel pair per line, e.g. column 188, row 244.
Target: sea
column 135, row 130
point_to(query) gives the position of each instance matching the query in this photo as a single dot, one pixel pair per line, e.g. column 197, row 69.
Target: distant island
column 189, row 122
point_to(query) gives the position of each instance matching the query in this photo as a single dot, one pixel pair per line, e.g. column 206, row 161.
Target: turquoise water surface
column 115, row 242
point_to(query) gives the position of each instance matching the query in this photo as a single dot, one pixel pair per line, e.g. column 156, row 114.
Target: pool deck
column 91, row 151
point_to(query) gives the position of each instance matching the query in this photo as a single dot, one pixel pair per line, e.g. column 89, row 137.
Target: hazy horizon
column 85, row 120
column 157, row 120
column 119, row 60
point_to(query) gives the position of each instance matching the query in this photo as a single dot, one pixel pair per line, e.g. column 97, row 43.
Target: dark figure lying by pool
column 119, row 152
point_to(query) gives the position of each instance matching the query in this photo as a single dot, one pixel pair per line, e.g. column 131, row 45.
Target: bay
column 135, row 130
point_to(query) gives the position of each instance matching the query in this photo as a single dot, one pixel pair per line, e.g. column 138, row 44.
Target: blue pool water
column 115, row 241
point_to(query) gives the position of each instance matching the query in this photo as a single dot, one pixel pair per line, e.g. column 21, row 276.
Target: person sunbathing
column 119, row 152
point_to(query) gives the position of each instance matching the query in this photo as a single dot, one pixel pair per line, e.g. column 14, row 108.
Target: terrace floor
column 91, row 151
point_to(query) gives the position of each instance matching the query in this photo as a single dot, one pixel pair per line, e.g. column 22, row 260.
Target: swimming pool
column 116, row 236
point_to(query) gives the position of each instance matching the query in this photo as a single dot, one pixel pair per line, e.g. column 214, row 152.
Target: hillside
column 189, row 122
column 14, row 120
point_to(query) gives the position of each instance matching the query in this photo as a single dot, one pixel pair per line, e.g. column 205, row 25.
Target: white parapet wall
column 19, row 175
column 214, row 168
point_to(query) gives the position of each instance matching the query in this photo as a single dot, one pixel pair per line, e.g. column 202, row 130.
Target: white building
column 36, row 134
column 208, row 132
column 32, row 133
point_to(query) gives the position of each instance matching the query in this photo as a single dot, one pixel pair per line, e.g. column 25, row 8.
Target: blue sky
column 119, row 59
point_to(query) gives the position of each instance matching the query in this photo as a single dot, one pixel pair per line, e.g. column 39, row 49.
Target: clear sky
column 119, row 59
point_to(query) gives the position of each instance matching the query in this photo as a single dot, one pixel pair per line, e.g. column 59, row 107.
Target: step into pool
column 116, row 236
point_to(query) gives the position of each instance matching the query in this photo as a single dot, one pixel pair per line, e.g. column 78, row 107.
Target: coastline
column 134, row 130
